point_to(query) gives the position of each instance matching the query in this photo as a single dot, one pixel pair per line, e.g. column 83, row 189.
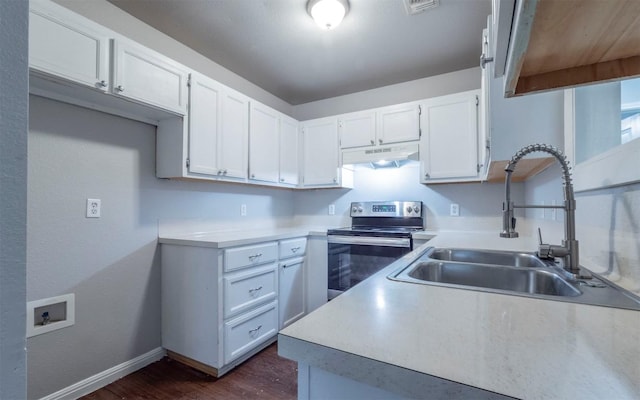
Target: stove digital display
column 383, row 208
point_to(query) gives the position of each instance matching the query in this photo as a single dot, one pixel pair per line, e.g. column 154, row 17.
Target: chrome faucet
column 568, row 251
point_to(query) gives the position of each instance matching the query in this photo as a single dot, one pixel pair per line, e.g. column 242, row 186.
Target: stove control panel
column 386, row 209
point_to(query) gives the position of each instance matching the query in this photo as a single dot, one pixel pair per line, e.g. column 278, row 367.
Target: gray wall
column 13, row 196
column 111, row 263
column 440, row 85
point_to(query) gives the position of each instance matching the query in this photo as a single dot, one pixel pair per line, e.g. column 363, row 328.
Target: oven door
column 352, row 259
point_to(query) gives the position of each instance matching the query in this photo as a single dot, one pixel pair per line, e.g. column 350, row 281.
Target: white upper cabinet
column 264, row 161
column 145, row 76
column 68, row 46
column 357, row 129
column 232, row 142
column 218, row 126
column 449, row 144
column 387, row 125
column 289, row 150
column 399, row 123
column 204, row 125
column 320, row 152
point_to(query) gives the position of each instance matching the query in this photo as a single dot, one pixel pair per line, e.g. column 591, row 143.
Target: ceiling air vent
column 418, row 6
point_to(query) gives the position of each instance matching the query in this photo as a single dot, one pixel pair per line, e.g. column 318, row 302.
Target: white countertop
column 230, row 238
column 517, row 346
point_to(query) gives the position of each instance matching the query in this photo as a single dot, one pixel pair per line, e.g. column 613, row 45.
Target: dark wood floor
column 264, row 376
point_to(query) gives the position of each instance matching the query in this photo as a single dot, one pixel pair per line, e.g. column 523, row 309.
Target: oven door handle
column 370, row 241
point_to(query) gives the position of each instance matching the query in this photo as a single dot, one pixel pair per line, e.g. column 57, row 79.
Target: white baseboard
column 104, row 378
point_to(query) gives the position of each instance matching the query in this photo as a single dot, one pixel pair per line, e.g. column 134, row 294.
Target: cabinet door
column 147, row 77
column 204, row 125
column 234, row 134
column 289, row 151
column 449, row 145
column 320, row 152
column 399, row 123
column 292, row 291
column 263, row 143
column 66, row 45
column 357, row 129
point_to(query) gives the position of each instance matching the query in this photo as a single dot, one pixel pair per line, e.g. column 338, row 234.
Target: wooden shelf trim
column 526, row 168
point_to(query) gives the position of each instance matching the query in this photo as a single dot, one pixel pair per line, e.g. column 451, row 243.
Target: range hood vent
column 418, row 6
column 393, row 152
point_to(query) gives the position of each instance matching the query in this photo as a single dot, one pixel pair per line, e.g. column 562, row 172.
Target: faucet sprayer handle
column 539, row 236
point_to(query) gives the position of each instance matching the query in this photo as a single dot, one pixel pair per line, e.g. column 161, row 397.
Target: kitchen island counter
column 415, row 340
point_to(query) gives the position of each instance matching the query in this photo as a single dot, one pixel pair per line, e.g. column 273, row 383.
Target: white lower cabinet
column 244, row 333
column 221, row 306
column 292, row 291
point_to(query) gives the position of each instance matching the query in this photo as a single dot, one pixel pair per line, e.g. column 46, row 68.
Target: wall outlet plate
column 243, row 210
column 332, row 209
column 454, row 210
column 94, row 208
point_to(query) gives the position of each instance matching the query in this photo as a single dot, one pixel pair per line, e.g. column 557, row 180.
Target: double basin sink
column 513, row 273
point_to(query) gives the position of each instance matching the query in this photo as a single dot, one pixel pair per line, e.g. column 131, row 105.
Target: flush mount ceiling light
column 328, row 13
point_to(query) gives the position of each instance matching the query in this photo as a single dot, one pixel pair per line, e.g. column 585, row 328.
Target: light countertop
column 230, row 238
column 517, row 346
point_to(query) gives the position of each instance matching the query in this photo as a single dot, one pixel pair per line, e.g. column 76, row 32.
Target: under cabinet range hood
column 382, row 156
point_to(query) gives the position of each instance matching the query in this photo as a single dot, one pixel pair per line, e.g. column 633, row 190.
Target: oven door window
column 350, row 264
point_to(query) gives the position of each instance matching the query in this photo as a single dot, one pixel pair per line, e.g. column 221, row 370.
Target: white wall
column 480, row 203
column 607, row 226
column 111, row 263
column 110, row 16
column 440, row 85
column 13, row 196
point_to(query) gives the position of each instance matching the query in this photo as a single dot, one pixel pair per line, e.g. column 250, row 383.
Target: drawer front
column 292, row 247
column 244, row 290
column 249, row 330
column 247, row 256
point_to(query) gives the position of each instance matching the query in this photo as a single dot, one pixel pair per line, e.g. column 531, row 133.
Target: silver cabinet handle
column 224, row 172
column 102, row 83
column 219, row 172
column 426, row 175
column 119, row 88
column 281, row 179
column 335, row 180
column 253, row 175
column 253, row 257
column 373, row 141
column 380, row 141
column 254, row 290
column 252, row 331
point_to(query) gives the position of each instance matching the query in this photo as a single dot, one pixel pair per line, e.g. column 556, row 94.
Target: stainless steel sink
column 506, row 258
column 512, row 279
column 510, row 273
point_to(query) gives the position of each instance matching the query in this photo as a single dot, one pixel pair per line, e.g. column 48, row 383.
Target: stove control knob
column 416, row 208
column 409, row 209
column 354, row 210
column 360, row 209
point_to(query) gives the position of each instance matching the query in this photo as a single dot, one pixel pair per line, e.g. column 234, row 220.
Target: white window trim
column 617, row 166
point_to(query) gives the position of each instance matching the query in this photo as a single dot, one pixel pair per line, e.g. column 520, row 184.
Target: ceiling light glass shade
column 327, row 13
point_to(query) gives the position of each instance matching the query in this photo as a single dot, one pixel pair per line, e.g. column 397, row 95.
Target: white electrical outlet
column 93, row 208
column 454, row 211
column 554, row 211
column 243, row 210
column 332, row 209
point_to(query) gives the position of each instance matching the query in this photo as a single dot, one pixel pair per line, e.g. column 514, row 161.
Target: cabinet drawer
column 246, row 289
column 292, row 247
column 241, row 257
column 249, row 330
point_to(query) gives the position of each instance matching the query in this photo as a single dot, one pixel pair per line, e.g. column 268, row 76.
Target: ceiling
column 277, row 46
